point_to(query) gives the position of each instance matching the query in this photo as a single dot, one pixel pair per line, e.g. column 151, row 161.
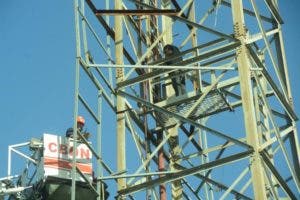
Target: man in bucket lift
column 178, row 79
column 80, row 124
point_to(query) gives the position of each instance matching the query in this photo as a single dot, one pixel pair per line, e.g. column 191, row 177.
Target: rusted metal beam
column 184, row 173
column 111, row 33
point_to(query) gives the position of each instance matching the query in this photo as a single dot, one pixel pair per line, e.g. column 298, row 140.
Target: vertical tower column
column 196, row 73
column 121, row 155
column 248, row 101
column 173, row 141
column 76, row 100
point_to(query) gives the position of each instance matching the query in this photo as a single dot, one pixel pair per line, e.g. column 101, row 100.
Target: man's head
column 80, row 122
column 168, row 50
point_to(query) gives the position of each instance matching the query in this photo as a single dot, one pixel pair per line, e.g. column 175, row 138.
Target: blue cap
column 69, row 132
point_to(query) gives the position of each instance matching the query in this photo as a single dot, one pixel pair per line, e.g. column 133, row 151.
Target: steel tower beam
column 186, row 172
column 226, row 68
column 121, row 149
column 247, row 100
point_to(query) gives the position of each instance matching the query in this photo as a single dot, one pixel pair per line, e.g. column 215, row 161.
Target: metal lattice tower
column 231, row 136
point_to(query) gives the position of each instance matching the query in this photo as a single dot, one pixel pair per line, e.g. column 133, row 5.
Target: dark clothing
column 178, row 83
column 69, row 132
column 178, row 79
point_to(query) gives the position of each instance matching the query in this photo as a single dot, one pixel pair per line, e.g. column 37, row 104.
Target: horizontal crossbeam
column 138, row 12
column 186, row 172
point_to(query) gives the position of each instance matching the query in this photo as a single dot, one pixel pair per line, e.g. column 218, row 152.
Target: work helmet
column 80, row 120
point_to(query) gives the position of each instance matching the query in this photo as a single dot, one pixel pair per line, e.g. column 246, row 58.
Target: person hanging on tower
column 178, row 79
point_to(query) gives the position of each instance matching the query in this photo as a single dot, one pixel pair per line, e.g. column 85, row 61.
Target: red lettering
column 71, row 152
column 85, row 153
column 52, row 147
column 63, row 149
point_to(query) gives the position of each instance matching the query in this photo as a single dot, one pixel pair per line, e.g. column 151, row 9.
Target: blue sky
column 37, row 54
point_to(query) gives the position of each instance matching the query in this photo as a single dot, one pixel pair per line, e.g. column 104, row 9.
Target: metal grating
column 213, row 102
